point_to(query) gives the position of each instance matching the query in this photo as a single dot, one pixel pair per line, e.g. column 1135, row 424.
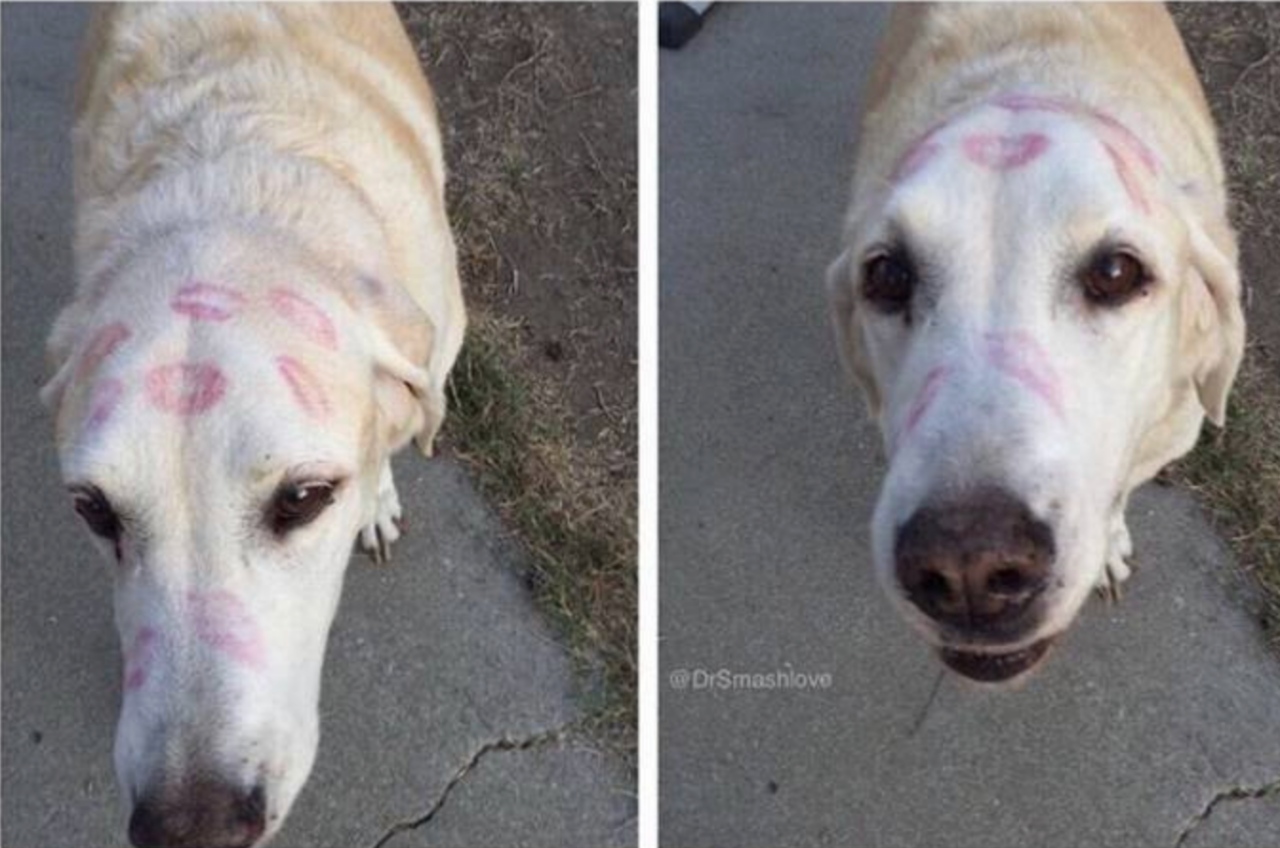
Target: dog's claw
column 377, row 537
column 1117, row 569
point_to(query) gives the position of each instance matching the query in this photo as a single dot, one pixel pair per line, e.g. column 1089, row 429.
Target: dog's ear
column 1212, row 321
column 853, row 353
column 411, row 403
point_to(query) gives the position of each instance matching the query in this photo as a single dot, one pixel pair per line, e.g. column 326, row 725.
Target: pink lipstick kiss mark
column 916, row 158
column 104, row 343
column 924, row 399
column 222, row 622
column 306, row 389
column 311, row 320
column 1128, row 179
column 103, row 401
column 1004, row 152
column 1021, row 357
column 1032, row 102
column 137, row 660
column 1130, row 140
column 207, row 302
column 185, row 388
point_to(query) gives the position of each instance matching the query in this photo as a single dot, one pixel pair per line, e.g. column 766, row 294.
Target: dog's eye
column 1113, row 277
column 96, row 511
column 888, row 281
column 298, row 504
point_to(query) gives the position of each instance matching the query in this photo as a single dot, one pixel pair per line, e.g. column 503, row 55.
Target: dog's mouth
column 989, row 667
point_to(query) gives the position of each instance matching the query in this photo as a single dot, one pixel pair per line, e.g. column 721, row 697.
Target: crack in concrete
column 1234, row 793
column 537, row 740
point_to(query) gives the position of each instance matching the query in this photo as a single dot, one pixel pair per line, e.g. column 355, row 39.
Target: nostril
column 934, row 587
column 1007, row 581
column 253, row 813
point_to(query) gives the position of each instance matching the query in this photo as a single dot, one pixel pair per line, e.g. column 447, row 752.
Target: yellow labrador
column 267, row 308
column 1038, row 294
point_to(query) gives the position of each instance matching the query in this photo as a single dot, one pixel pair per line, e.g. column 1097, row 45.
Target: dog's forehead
column 232, row 405
column 1036, row 166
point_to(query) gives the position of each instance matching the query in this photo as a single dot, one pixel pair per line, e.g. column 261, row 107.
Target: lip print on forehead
column 304, row 386
column 185, row 388
column 1128, row 179
column 1015, row 102
column 917, row 157
column 1004, row 152
column 103, row 400
column 312, row 321
column 104, row 343
column 207, row 302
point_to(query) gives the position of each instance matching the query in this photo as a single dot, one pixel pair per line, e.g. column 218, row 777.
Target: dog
column 1038, row 295
column 267, row 307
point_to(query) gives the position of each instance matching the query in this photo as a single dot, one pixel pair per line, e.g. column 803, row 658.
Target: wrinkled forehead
column 1027, row 159
column 227, row 401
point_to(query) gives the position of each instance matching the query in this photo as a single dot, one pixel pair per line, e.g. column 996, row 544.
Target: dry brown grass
column 1236, row 472
column 538, row 105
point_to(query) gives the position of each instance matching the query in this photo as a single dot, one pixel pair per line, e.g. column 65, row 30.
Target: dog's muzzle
column 207, row 814
column 978, row 567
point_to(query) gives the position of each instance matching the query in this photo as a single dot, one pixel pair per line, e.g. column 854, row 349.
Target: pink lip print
column 309, row 319
column 137, row 660
column 1021, row 357
column 306, row 389
column 185, row 388
column 104, row 343
column 1004, row 152
column 222, row 622
column 103, row 401
column 206, row 302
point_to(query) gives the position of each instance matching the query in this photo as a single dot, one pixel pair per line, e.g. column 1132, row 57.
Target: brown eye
column 888, row 281
column 1113, row 277
column 96, row 511
column 297, row 504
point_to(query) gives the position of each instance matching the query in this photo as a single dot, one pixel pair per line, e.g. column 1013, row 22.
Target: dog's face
column 222, row 443
column 1026, row 306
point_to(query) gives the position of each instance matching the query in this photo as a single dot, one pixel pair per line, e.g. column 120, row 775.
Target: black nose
column 976, row 564
column 205, row 814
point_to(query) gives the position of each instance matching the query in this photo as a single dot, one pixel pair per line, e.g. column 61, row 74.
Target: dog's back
column 322, row 113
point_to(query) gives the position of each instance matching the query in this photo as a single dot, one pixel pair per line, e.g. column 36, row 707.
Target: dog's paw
column 377, row 537
column 1117, row 569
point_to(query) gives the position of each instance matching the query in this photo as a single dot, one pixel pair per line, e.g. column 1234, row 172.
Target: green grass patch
column 579, row 532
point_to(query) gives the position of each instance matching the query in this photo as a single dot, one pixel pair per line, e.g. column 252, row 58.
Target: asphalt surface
column 432, row 661
column 1150, row 714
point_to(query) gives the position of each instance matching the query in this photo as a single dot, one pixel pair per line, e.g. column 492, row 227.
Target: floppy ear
column 410, row 403
column 853, row 353
column 1212, row 324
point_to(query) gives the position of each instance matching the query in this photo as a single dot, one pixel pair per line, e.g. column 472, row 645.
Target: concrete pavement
column 436, row 662
column 1148, row 712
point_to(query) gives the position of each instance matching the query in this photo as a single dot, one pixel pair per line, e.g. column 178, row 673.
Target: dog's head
column 1039, row 319
column 222, row 420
